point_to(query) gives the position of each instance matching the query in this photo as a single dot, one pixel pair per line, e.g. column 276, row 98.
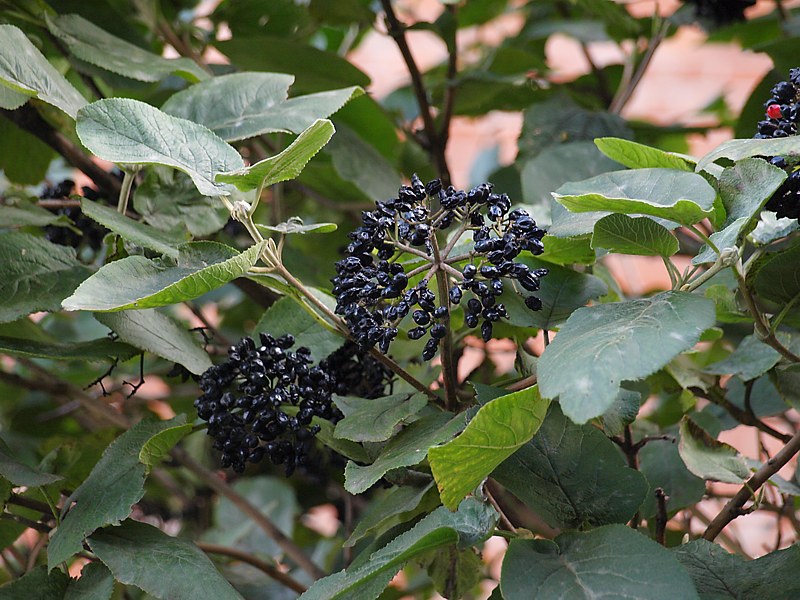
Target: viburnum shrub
column 238, row 296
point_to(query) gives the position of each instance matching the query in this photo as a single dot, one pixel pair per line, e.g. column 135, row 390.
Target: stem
column 222, row 487
column 733, row 508
column 450, row 86
column 624, row 93
column 125, row 191
column 661, row 516
column 248, row 558
column 695, row 230
column 449, row 366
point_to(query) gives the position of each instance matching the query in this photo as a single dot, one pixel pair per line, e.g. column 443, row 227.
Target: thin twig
column 661, row 516
column 625, row 94
column 248, row 558
column 447, row 349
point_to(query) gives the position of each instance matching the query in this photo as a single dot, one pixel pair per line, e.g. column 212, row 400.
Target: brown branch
column 624, row 94
column 450, row 86
column 733, row 508
column 661, row 516
column 248, row 558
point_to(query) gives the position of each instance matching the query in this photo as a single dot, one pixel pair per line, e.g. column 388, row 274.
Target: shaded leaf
column 163, row 566
column 777, row 278
column 101, row 349
column 499, row 429
column 751, row 358
column 288, row 316
column 638, row 236
column 136, row 282
column 399, row 505
column 128, row 131
column 96, row 583
column 454, row 572
column 709, row 458
column 612, row 562
column 572, row 476
column 24, row 158
column 623, row 412
column 158, row 446
column 19, row 473
column 374, row 420
column 601, row 346
column 108, row 493
column 37, row 583
column 661, row 464
column 26, row 71
column 351, row 153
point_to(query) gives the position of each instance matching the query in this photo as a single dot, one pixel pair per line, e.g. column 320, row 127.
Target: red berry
column 774, row 111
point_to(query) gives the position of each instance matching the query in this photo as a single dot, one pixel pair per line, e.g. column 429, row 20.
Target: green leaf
column 788, row 147
column 746, row 186
column 133, row 231
column 128, row 131
column 601, row 346
column 661, row 464
column 96, row 583
column 100, row 349
column 622, row 413
column 498, row 430
column 627, row 235
column 136, row 282
column 11, row 100
column 163, row 566
column 709, row 458
column 288, row 316
column 37, row 583
column 270, row 495
column 87, row 42
column 568, row 251
column 239, row 106
column 470, row 525
column 572, row 476
column 27, row 213
column 168, row 200
column 730, row 237
column 350, row 153
column 771, row 228
column 399, row 505
column 295, row 225
column 778, row 276
column 609, row 562
column 638, row 156
column 19, row 473
column 35, row 275
column 107, row 495
column 158, row 446
column 26, row 71
column 454, row 572
column 286, row 165
column 678, row 196
column 407, row 448
column 374, row 420
column 749, row 360
column 155, row 332
column 722, row 576
column 24, row 158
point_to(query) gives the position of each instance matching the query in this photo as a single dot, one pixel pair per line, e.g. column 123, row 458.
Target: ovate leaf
column 163, row 566
column 498, row 430
column 638, row 156
column 128, row 131
column 639, row 236
column 93, row 45
column 788, row 147
column 601, row 346
column 136, row 282
column 158, row 446
column 470, row 525
column 26, row 71
column 608, row 562
column 19, row 473
column 398, row 505
column 35, row 275
column 662, row 466
column 155, row 332
column 286, row 165
column 749, row 360
column 374, row 420
column 37, row 583
column 709, row 458
column 288, row 316
column 572, row 476
column 677, row 196
column 101, row 349
column 107, row 495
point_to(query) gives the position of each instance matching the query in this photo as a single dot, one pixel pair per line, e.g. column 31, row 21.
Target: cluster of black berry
column 721, row 12
column 785, row 202
column 782, row 109
column 245, row 402
column 356, row 373
column 90, row 233
column 372, row 286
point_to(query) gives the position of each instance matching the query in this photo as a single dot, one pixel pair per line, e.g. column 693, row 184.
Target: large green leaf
column 286, row 165
column 163, row 566
column 24, row 158
column 288, row 316
column 572, row 476
column 498, row 430
column 788, row 147
column 244, row 105
column 719, row 575
column 601, row 346
column 95, row 583
column 36, row 583
column 101, row 349
column 709, row 458
column 638, row 156
column 638, row 236
column 133, row 231
column 35, row 275
column 407, row 448
column 661, row 464
column 678, row 196
column 350, row 153
column 374, row 420
column 399, row 505
column 777, row 278
column 155, row 332
column 25, row 70
column 470, row 525
column 93, row 45
column 612, row 562
column 107, row 495
column 19, row 473
column 128, row 131
column 136, row 282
